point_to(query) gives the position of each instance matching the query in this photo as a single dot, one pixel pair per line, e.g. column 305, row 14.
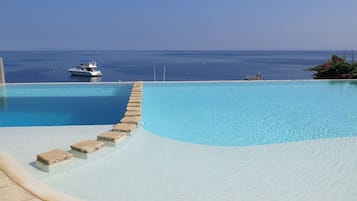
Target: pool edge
column 23, row 179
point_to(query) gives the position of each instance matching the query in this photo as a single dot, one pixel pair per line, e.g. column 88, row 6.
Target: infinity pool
column 233, row 115
column 251, row 113
column 62, row 104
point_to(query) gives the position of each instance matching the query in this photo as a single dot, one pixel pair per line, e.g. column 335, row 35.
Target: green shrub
column 335, row 68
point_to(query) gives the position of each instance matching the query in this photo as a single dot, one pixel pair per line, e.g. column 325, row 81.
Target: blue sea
column 51, row 66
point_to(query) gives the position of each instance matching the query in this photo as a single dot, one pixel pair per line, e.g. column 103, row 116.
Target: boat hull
column 86, row 73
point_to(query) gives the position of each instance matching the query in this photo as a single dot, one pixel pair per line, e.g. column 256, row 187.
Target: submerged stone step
column 51, row 159
column 135, row 100
column 138, row 83
column 130, row 104
column 84, row 148
column 112, row 138
column 132, row 113
column 124, row 127
column 137, row 89
column 138, row 96
column 133, row 108
column 131, row 120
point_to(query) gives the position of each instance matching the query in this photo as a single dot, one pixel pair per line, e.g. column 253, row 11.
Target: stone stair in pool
column 51, row 159
column 112, row 138
column 86, row 149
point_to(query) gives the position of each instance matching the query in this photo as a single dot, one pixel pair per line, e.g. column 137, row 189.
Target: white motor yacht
column 86, row 70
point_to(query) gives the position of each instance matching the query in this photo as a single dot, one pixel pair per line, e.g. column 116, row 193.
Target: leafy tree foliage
column 335, row 68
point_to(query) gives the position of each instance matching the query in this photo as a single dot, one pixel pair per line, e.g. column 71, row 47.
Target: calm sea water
column 51, row 66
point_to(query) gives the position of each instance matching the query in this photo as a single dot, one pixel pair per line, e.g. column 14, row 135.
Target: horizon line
column 69, row 49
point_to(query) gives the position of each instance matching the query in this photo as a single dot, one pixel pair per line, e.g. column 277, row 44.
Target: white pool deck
column 152, row 168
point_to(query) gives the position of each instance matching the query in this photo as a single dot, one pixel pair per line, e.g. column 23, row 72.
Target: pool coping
column 24, row 180
column 178, row 81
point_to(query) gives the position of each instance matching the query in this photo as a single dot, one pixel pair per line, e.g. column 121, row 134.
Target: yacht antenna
column 154, row 74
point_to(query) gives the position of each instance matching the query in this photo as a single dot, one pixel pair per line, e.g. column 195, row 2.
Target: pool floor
column 152, row 168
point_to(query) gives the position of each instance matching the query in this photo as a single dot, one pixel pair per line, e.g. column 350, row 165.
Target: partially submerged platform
column 131, row 120
column 124, row 127
column 86, row 148
column 112, row 138
column 52, row 159
column 132, row 113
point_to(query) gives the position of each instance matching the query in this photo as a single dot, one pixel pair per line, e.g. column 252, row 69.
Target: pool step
column 134, row 98
column 132, row 117
column 138, row 96
column 124, row 127
column 133, row 109
column 138, row 83
column 135, row 101
column 131, row 120
column 137, row 89
column 134, row 104
column 137, row 86
column 132, row 113
column 137, row 92
column 85, row 149
column 112, row 138
column 48, row 161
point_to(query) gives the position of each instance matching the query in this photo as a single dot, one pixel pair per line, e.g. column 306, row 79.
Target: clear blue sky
column 178, row 24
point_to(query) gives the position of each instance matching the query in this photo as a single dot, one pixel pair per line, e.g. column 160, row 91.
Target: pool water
column 62, row 104
column 251, row 113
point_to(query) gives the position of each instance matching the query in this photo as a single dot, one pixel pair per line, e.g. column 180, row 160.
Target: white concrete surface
column 152, row 168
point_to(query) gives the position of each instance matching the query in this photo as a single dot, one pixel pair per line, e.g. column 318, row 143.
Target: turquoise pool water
column 251, row 113
column 62, row 104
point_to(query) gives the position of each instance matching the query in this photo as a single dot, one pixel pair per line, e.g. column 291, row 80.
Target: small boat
column 86, row 70
column 258, row 76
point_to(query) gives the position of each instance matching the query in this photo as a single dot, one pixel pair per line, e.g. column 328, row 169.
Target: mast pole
column 154, row 73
